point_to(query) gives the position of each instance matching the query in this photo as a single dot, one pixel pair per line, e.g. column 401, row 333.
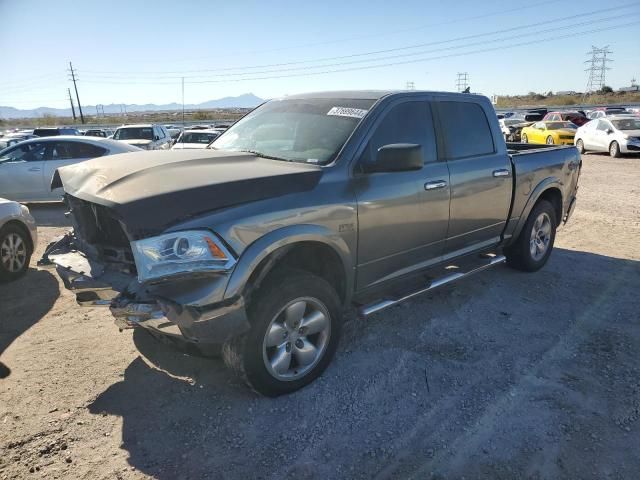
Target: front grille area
column 97, row 226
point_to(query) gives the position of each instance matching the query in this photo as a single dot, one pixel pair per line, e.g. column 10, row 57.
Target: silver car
column 18, row 239
column 26, row 169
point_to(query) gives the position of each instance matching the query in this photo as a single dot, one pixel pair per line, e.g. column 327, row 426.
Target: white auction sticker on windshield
column 347, row 112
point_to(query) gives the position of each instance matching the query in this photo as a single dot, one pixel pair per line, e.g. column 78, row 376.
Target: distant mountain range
column 247, row 100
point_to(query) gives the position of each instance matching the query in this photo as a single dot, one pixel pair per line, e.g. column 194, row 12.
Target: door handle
column 502, row 172
column 34, row 169
column 435, row 185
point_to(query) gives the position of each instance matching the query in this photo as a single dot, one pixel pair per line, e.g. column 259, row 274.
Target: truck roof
column 372, row 94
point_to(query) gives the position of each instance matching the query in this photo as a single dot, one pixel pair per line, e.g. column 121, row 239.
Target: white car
column 616, row 135
column 26, row 169
column 146, row 136
column 195, row 139
column 18, row 239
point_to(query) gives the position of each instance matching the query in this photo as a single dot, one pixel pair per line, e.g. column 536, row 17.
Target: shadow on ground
column 18, row 312
column 187, row 417
column 49, row 214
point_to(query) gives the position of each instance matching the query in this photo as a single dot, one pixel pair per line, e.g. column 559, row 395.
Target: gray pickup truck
column 308, row 207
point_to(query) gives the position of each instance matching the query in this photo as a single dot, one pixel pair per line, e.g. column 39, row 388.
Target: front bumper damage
column 173, row 313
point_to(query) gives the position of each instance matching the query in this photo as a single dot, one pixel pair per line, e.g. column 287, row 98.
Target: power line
column 367, row 67
column 116, row 74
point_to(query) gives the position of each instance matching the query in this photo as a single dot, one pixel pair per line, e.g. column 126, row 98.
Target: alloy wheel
column 540, row 236
column 13, row 253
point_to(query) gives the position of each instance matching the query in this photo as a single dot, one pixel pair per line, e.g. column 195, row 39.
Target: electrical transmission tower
column 462, row 81
column 597, row 68
column 410, row 86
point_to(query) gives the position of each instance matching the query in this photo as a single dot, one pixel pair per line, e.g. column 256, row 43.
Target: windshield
column 627, row 124
column 512, row 121
column 558, row 125
column 198, row 137
column 134, row 133
column 298, row 130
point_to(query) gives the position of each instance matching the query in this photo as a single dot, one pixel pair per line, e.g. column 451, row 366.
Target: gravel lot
column 504, row 375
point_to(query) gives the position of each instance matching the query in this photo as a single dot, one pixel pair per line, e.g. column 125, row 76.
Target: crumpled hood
column 149, row 191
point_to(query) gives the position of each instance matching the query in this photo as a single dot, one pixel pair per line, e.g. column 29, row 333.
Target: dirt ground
column 505, row 375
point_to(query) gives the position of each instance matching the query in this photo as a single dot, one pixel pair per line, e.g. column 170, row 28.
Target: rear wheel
column 295, row 330
column 580, row 146
column 550, row 140
column 524, row 138
column 15, row 252
column 532, row 248
column 614, row 150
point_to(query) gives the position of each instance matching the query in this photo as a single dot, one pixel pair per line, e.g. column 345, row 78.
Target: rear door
column 402, row 216
column 21, row 172
column 480, row 172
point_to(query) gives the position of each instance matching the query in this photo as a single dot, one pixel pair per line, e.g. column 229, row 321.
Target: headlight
column 180, row 252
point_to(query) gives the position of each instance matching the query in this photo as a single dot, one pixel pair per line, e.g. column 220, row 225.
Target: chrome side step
column 367, row 310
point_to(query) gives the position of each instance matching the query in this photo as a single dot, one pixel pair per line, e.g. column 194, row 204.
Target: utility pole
column 183, row 101
column 462, row 81
column 73, row 78
column 597, row 68
column 73, row 109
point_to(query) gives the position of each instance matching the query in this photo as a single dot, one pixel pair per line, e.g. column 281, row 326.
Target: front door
column 21, row 177
column 402, row 225
column 481, row 177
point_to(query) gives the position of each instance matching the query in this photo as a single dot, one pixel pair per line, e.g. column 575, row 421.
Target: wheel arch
column 311, row 248
column 550, row 190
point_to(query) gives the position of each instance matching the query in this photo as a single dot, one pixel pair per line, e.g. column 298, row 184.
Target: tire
column 15, row 252
column 532, row 248
column 524, row 139
column 614, row 150
column 550, row 140
column 295, row 358
column 580, row 146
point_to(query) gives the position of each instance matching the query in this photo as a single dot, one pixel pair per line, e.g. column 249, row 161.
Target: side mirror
column 396, row 157
column 156, row 138
column 609, row 131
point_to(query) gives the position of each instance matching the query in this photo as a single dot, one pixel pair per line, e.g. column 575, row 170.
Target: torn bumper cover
column 132, row 305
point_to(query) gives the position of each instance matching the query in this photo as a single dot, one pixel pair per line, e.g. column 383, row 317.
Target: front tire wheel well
column 316, row 258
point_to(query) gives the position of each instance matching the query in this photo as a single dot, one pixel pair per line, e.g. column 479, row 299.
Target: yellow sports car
column 551, row 133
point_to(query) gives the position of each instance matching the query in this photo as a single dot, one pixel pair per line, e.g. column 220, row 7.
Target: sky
column 135, row 51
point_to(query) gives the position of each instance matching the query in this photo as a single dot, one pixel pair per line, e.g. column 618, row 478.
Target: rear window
column 134, row 133
column 465, row 130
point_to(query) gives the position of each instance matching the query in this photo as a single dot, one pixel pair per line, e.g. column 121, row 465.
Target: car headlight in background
column 180, row 252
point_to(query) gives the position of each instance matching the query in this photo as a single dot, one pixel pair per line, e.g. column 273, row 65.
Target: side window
column 408, row 122
column 60, row 151
column 86, row 150
column 603, row 125
column 465, row 130
column 32, row 152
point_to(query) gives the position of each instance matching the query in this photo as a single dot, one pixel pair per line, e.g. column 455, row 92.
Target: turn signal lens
column 215, row 249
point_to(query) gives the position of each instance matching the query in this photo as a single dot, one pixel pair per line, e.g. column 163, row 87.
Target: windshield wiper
column 262, row 155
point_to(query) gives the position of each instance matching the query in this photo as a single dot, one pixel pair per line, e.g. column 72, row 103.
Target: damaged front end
column 164, row 283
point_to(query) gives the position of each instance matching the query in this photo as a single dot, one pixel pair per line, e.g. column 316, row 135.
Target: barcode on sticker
column 347, row 112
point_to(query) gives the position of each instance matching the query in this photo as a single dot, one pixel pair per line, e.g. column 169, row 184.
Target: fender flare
column 255, row 253
column 543, row 186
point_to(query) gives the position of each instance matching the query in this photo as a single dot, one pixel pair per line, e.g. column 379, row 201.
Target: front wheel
column 524, row 138
column 580, row 146
column 614, row 150
column 532, row 248
column 295, row 330
column 549, row 140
